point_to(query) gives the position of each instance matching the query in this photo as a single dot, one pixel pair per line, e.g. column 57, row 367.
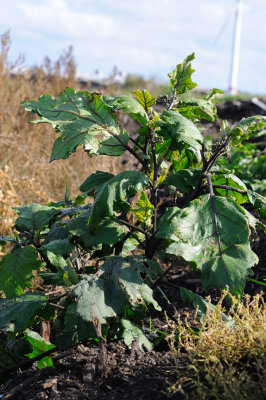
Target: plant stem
column 230, row 188
column 214, row 213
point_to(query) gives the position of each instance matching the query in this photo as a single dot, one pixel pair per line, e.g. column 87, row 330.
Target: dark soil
column 129, row 374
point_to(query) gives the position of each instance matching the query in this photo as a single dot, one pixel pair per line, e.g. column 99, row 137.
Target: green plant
column 103, row 248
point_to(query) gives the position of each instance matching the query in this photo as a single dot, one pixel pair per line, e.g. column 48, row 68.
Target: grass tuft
column 224, row 363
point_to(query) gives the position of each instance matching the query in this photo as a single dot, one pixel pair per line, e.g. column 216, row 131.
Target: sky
column 144, row 37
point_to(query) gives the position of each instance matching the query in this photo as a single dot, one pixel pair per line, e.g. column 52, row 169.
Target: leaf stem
column 214, row 213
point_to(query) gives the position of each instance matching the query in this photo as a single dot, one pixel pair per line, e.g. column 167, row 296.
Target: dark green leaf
column 184, row 180
column 197, row 109
column 39, row 346
column 223, row 254
column 21, row 310
column 233, row 181
column 202, row 305
column 16, row 270
column 111, row 198
column 130, row 332
column 34, row 217
column 181, row 130
column 128, row 105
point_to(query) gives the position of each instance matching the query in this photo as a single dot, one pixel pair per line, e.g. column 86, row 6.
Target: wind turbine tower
column 236, row 48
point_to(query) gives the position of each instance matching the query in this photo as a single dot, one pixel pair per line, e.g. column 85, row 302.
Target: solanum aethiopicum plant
column 105, row 252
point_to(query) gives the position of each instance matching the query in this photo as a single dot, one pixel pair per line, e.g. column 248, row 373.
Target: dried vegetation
column 224, row 362
column 25, row 173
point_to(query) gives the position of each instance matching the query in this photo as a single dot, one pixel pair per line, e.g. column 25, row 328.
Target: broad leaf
column 203, row 306
column 34, row 217
column 197, row 109
column 61, row 247
column 181, row 130
column 39, row 346
column 246, row 128
column 232, row 181
column 106, row 294
column 222, row 252
column 108, row 231
column 258, row 201
column 184, row 180
column 130, row 332
column 128, row 105
column 180, row 78
column 95, row 180
column 83, row 119
column 145, row 99
column 111, row 198
column 16, row 270
column 21, row 310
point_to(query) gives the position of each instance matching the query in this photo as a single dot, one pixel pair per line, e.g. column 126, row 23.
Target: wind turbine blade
column 230, row 13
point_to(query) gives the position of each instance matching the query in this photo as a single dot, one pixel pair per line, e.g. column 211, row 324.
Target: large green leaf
column 116, row 285
column 83, row 119
column 128, row 105
column 95, row 180
column 258, row 201
column 21, row 310
column 108, row 231
column 130, row 332
column 16, row 270
column 111, row 198
column 222, row 252
column 203, row 306
column 145, row 99
column 230, row 180
column 34, row 217
column 197, row 109
column 184, row 179
column 180, row 78
column 39, row 346
column 181, row 130
column 246, row 128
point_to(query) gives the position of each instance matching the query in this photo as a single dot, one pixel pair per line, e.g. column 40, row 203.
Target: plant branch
column 156, row 283
column 214, row 213
column 229, row 188
column 132, row 226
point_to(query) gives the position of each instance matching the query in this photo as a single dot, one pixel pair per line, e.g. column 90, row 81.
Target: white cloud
column 144, row 36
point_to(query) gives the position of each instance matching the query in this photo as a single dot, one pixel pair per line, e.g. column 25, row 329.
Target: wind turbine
column 236, row 48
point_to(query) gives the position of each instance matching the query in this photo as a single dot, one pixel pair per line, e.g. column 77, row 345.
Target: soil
column 129, row 374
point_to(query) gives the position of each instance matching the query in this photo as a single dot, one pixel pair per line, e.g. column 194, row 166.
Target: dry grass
column 25, row 173
column 224, row 363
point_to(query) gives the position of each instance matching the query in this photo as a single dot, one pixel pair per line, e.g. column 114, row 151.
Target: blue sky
column 146, row 37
